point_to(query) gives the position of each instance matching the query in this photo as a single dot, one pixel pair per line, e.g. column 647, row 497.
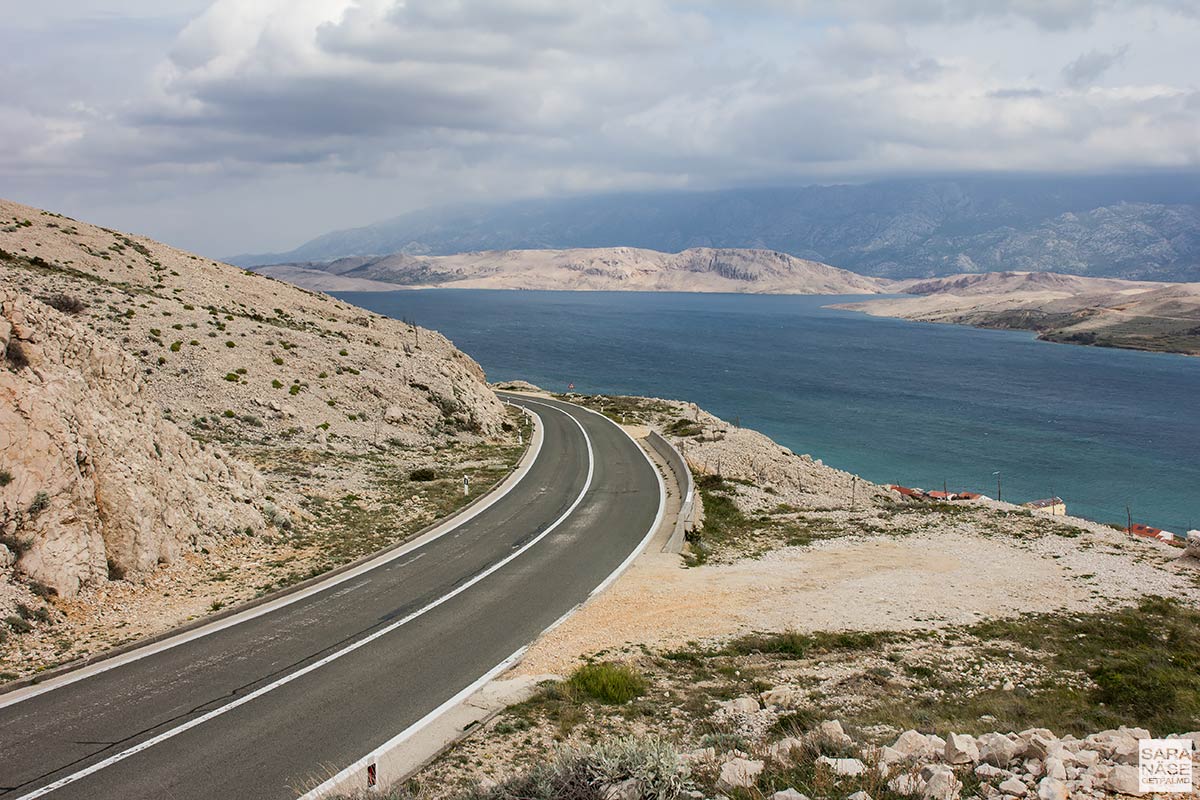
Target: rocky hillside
column 1139, row 227
column 99, row 482
column 699, row 269
column 1140, row 315
column 157, row 408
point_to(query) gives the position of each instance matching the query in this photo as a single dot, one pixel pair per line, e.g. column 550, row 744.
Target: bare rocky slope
column 1106, row 312
column 162, row 412
column 700, row 269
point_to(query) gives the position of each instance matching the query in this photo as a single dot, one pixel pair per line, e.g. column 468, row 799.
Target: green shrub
column 5, row 477
column 230, row 344
column 18, row 625
column 41, row 501
column 228, row 414
column 232, row 377
column 175, row 346
column 294, row 389
column 277, row 361
column 607, row 682
column 277, row 384
column 423, row 474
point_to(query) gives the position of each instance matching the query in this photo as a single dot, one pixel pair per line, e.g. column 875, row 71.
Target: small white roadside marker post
column 466, row 485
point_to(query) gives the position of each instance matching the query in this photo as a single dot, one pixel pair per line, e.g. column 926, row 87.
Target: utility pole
column 853, row 493
column 1129, row 520
column 997, row 474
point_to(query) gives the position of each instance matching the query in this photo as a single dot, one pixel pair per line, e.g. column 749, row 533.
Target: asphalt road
column 259, row 709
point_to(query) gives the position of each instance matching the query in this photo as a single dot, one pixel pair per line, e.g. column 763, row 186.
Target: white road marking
column 286, row 679
column 334, row 783
column 452, row 524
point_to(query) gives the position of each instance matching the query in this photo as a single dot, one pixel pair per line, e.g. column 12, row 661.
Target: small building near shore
column 1054, row 506
column 1140, row 529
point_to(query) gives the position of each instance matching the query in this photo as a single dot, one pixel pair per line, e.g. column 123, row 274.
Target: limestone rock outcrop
column 98, row 482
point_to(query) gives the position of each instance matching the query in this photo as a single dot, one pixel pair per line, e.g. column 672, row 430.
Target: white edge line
column 25, row 693
column 291, row 676
column 331, row 784
column 334, row 783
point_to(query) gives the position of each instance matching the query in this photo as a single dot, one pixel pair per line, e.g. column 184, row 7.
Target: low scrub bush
column 68, row 304
column 423, row 474
column 15, row 355
column 586, row 772
column 608, row 683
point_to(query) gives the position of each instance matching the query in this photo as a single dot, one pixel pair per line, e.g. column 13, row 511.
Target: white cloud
column 426, row 101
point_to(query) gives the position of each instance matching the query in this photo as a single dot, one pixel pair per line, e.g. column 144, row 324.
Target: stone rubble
column 1029, row 764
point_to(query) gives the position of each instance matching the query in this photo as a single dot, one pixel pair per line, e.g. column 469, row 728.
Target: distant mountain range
column 699, row 269
column 1136, row 227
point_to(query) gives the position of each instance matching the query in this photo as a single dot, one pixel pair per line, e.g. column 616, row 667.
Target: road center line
column 453, row 524
column 216, row 712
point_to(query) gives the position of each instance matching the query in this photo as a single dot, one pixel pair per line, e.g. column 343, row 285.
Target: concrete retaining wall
column 687, row 491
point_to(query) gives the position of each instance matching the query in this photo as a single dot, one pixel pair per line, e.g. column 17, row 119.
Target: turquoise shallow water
column 893, row 401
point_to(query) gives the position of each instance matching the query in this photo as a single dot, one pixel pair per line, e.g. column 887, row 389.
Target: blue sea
column 894, row 401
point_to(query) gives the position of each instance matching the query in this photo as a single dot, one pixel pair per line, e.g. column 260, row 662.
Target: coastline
column 1084, row 326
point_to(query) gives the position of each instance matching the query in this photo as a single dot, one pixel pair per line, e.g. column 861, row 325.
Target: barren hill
column 163, row 414
column 1107, row 312
column 700, row 269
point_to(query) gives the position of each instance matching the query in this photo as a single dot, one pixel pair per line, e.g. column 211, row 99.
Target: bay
column 891, row 400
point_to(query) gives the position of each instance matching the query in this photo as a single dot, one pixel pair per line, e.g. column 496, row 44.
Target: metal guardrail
column 687, row 491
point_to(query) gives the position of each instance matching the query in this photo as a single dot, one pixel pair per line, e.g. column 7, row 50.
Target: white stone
column 1123, row 780
column 1014, row 787
column 831, row 731
column 1036, row 742
column 844, row 767
column 989, row 772
column 741, row 705
column 739, row 773
column 997, row 749
column 961, row 749
column 789, row 794
column 859, row 796
column 1052, row 789
column 782, row 697
column 785, row 749
column 914, row 745
column 942, row 784
column 1055, row 768
column 907, row 784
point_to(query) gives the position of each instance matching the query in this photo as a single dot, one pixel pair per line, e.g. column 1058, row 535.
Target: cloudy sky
column 250, row 125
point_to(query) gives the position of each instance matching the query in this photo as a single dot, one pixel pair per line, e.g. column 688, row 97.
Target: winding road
column 258, row 705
